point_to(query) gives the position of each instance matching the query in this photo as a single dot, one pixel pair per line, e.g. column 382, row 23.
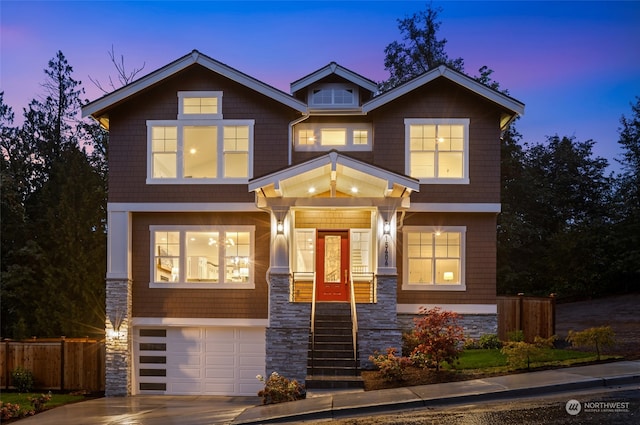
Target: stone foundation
column 288, row 331
column 377, row 323
column 474, row 325
column 118, row 367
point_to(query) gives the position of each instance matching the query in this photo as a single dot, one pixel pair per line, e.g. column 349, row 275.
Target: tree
column 626, row 235
column 420, row 51
column 54, row 265
column 554, row 237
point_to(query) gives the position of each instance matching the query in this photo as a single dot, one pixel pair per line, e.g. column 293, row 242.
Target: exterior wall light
column 280, row 228
column 386, row 228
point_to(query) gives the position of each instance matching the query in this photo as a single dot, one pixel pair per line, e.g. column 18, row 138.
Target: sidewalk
column 374, row 402
column 211, row 410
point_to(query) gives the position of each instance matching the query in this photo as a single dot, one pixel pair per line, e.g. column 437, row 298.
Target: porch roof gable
column 334, row 175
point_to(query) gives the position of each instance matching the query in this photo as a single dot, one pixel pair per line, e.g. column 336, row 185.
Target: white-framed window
column 304, row 250
column 202, row 257
column 323, row 137
column 333, row 95
column 199, row 105
column 361, row 252
column 437, row 150
column 199, row 151
column 433, row 258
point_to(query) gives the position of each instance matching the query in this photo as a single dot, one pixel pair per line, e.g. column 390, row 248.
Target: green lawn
column 486, row 360
column 25, row 405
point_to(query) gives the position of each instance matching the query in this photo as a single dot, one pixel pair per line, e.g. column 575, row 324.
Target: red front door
column 332, row 265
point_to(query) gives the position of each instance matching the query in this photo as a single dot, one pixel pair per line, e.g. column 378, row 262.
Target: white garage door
column 200, row 360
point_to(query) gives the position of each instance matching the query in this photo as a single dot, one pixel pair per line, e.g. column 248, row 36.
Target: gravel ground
column 621, row 312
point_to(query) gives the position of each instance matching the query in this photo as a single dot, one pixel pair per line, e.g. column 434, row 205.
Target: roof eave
column 100, row 106
column 442, row 71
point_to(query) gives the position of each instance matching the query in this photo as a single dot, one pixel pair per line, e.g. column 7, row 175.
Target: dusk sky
column 575, row 65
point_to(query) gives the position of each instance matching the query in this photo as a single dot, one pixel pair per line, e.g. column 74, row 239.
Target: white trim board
column 198, row 322
column 456, row 308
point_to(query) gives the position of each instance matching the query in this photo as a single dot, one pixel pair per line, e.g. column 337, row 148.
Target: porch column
column 387, row 237
column 280, row 236
column 119, row 361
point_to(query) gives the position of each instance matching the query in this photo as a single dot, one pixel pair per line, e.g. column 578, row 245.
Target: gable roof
column 334, row 68
column 507, row 102
column 338, row 172
column 100, row 106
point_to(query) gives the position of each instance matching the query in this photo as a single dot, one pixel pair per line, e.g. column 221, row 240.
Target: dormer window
column 199, row 105
column 333, row 95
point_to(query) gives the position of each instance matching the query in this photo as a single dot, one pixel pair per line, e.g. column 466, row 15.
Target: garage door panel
column 208, row 360
column 220, row 373
column 218, row 347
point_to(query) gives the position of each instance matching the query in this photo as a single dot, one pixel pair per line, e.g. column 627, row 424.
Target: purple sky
column 575, row 65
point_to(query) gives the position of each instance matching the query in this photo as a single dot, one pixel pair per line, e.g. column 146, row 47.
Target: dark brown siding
column 480, row 274
column 128, row 138
column 199, row 303
column 444, row 99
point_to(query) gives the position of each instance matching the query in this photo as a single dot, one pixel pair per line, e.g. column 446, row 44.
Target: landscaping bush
column 22, row 379
column 278, row 389
column 521, row 354
column 391, row 367
column 439, row 337
column 598, row 337
column 490, row 342
column 9, row 411
column 38, row 402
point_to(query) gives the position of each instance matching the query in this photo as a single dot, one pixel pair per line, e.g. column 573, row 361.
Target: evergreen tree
column 420, row 51
column 626, row 238
column 53, row 268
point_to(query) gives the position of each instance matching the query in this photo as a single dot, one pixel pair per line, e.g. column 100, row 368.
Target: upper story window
column 200, row 151
column 333, row 95
column 323, row 137
column 202, row 257
column 433, row 258
column 200, row 104
column 437, row 150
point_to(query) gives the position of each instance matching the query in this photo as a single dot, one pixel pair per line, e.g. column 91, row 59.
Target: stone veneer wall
column 377, row 323
column 474, row 325
column 118, row 349
column 288, row 331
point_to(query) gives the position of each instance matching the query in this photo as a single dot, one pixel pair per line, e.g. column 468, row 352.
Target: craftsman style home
column 241, row 218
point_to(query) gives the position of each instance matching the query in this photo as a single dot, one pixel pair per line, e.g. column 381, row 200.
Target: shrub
column 391, row 367
column 22, row 379
column 38, row 402
column 439, row 338
column 490, row 342
column 471, row 344
column 515, row 336
column 278, row 389
column 520, row 353
column 9, row 410
column 598, row 337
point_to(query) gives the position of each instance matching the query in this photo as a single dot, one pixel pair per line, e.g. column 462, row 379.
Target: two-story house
column 237, row 210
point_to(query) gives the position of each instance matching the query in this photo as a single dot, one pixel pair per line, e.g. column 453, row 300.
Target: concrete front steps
column 331, row 363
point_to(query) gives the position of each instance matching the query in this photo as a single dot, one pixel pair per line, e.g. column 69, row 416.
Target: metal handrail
column 354, row 318
column 313, row 322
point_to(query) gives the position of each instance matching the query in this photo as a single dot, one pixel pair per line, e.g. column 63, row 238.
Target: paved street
column 544, row 410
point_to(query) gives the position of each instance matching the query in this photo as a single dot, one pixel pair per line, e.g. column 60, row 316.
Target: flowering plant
column 391, row 367
column 278, row 389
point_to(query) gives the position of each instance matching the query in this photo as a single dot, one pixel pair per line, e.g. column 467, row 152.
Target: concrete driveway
column 147, row 410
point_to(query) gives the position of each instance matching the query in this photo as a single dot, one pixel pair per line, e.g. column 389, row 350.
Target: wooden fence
column 534, row 316
column 56, row 364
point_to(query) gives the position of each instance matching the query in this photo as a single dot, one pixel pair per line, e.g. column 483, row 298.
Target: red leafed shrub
column 438, row 337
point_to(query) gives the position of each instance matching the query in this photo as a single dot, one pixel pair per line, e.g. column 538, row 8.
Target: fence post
column 62, row 363
column 520, row 312
column 6, row 364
